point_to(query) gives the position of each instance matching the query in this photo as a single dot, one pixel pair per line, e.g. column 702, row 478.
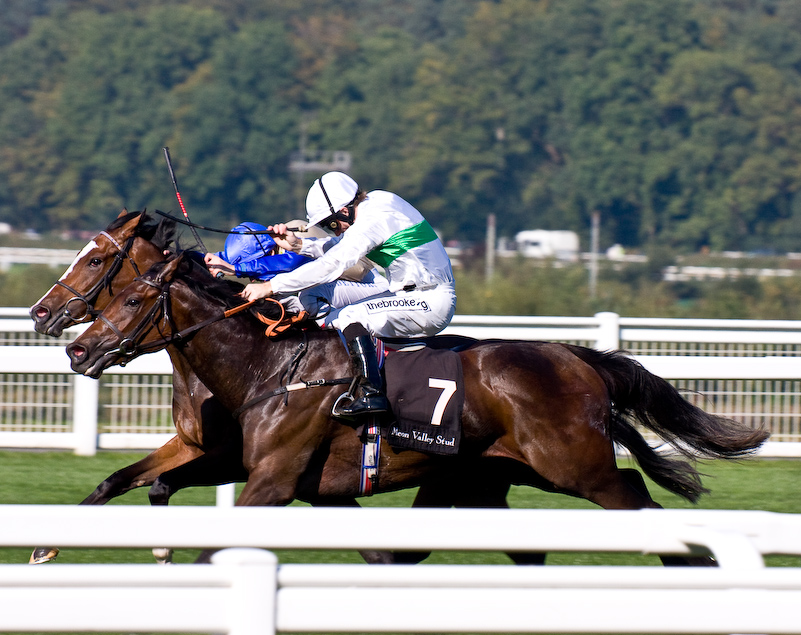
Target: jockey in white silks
column 388, row 231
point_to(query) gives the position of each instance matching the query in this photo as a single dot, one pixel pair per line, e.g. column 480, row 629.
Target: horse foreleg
column 217, row 467
column 143, row 472
column 368, row 555
column 490, row 492
column 221, row 465
column 272, row 479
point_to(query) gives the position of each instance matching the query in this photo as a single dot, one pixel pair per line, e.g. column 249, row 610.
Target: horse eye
column 95, row 262
column 132, row 302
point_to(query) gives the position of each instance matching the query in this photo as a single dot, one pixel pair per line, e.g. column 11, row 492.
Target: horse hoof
column 163, row 555
column 42, row 555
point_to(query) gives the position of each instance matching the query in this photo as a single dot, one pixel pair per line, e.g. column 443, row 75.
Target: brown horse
column 545, row 414
column 207, row 449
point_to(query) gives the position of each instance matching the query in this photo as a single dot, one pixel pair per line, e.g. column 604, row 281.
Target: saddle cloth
column 426, row 392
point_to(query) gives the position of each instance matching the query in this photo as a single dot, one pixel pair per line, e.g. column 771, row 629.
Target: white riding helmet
column 329, row 194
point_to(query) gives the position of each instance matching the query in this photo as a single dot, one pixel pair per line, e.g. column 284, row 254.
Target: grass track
column 46, row 477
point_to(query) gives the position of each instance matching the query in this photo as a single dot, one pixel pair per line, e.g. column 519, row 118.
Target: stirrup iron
column 346, row 398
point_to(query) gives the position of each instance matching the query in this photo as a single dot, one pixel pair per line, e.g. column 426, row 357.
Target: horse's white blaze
column 86, row 249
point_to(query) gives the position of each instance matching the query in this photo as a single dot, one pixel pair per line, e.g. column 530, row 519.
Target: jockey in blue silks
column 256, row 256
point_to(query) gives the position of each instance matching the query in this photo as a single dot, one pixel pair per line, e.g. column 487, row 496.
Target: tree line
column 678, row 122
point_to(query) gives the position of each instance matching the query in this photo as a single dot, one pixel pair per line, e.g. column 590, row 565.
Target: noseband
column 86, row 310
column 131, row 345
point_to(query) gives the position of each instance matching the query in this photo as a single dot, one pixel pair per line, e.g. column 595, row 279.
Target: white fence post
column 84, row 414
column 608, row 331
column 254, row 580
column 226, row 495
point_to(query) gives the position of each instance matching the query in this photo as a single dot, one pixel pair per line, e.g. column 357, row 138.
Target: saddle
column 425, row 389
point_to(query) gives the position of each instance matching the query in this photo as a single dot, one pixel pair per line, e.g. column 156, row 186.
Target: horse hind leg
column 487, row 489
column 635, row 482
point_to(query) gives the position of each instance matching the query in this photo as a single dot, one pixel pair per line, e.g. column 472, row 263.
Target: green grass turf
column 46, row 477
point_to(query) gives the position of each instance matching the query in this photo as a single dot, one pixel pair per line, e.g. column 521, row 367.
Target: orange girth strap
column 274, row 326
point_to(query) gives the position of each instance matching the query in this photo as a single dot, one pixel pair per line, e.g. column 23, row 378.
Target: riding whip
column 299, row 229
column 180, row 200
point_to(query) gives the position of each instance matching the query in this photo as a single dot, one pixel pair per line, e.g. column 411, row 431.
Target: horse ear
column 169, row 270
column 123, row 212
column 142, row 218
column 129, row 228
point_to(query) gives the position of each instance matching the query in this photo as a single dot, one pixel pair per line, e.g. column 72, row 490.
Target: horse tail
column 639, row 395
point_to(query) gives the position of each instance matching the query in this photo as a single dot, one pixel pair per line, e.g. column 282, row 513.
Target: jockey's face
column 342, row 226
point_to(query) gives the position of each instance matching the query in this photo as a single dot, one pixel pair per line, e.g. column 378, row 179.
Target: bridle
column 87, row 311
column 132, row 345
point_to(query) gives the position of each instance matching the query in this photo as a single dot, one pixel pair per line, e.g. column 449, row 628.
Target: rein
column 88, row 299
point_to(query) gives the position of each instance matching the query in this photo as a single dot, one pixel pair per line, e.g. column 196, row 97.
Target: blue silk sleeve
column 269, row 266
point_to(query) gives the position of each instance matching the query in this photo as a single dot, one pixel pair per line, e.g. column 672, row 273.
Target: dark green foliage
column 679, row 122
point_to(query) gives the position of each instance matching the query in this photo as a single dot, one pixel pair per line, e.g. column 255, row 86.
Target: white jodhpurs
column 409, row 314
column 321, row 300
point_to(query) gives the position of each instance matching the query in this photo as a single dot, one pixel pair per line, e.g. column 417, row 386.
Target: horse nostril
column 40, row 312
column 76, row 351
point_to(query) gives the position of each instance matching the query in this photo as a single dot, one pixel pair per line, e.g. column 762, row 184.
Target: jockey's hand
column 285, row 239
column 257, row 290
column 217, row 265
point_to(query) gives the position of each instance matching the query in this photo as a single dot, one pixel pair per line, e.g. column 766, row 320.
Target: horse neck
column 230, row 354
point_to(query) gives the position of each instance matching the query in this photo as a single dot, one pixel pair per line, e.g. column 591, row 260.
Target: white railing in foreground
column 245, row 592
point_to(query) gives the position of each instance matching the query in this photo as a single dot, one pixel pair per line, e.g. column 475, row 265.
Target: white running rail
column 744, row 369
column 246, row 592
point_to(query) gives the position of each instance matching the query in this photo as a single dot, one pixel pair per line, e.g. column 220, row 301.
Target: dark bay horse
column 207, row 449
column 548, row 414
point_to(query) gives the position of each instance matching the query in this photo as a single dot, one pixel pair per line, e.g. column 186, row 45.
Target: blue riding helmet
column 254, row 255
column 241, row 247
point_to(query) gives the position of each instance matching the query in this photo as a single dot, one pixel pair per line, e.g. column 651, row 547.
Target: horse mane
column 193, row 272
column 161, row 232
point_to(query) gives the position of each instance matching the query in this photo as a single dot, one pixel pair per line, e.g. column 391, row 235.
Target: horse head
column 151, row 313
column 125, row 327
column 129, row 245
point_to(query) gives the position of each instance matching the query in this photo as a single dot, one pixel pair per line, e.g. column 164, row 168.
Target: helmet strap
column 327, row 200
column 346, row 217
column 349, row 216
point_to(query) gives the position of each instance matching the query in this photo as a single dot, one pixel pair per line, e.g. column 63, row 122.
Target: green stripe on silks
column 401, row 242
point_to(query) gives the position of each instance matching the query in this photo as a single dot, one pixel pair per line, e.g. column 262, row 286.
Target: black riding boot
column 362, row 353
